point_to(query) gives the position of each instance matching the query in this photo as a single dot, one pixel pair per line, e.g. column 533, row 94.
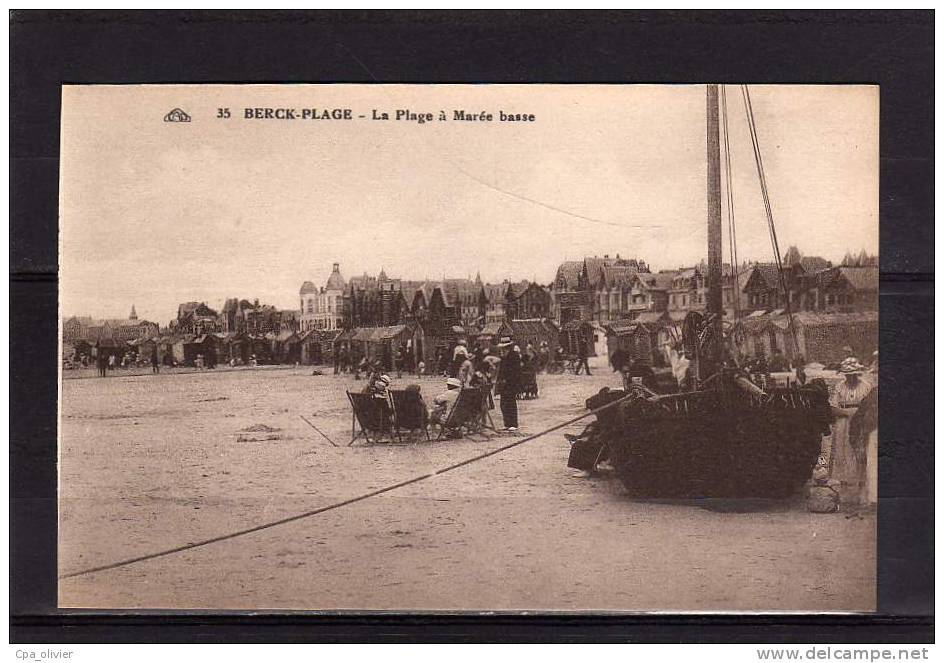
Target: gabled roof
column 861, row 278
column 657, row 281
column 813, row 264
column 617, row 275
column 594, row 267
column 458, row 292
column 530, row 327
column 515, row 290
column 568, row 273
column 768, row 274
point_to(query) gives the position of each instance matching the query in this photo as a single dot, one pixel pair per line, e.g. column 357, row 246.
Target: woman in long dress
column 847, row 448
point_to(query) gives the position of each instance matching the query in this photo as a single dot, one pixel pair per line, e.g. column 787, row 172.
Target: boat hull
column 717, row 444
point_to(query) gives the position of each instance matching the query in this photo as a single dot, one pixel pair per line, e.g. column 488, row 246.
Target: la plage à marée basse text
column 399, row 115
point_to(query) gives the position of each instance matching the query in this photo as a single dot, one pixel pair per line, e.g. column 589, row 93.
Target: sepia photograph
column 469, row 348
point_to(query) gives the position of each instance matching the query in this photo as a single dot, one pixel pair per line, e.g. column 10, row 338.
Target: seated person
column 379, row 389
column 443, row 403
column 478, row 379
column 589, row 450
column 424, row 412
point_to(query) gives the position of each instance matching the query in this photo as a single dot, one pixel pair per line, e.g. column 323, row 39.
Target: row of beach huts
column 820, row 337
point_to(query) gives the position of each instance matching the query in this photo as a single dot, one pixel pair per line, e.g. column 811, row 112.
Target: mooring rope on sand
column 336, row 505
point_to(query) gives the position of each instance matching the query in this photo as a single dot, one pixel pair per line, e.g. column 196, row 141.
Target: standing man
column 102, row 362
column 509, row 384
column 408, row 364
column 398, row 357
column 155, row 361
column 582, row 354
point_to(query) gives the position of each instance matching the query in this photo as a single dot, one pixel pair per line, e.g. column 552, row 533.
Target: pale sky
column 155, row 213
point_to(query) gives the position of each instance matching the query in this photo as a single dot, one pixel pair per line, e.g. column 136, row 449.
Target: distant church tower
column 134, row 314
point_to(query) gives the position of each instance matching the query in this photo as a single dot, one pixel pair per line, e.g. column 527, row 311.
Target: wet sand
column 153, row 462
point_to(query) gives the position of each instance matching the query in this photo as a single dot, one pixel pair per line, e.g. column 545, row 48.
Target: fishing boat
column 728, row 435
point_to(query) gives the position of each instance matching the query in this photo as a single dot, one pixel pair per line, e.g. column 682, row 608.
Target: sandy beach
column 153, row 462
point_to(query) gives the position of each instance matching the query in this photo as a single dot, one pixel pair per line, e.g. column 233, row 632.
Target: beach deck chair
column 488, row 404
column 372, row 416
column 469, row 413
column 409, row 412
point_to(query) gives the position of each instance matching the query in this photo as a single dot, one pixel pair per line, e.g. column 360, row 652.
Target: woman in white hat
column 845, row 460
column 442, row 404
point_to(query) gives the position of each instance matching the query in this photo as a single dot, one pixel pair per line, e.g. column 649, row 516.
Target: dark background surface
column 891, row 49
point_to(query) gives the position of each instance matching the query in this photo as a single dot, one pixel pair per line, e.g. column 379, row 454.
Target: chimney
column 336, row 267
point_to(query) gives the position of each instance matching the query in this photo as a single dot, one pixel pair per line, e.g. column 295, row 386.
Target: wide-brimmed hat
column 461, row 351
column 385, row 379
column 454, row 382
column 851, row 366
column 504, row 342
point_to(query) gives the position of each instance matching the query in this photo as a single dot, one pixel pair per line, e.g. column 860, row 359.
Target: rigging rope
column 337, row 505
column 759, row 161
column 729, row 185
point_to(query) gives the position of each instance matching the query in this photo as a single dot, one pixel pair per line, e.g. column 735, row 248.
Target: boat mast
column 713, row 305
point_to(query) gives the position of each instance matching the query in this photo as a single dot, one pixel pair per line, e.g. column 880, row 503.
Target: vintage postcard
column 469, row 347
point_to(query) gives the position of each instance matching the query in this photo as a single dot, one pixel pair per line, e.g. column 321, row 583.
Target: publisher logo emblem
column 176, row 115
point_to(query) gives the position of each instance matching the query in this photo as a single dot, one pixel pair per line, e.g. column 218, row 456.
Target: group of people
column 499, row 370
column 505, row 369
